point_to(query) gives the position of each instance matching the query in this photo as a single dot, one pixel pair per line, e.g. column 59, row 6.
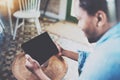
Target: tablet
column 40, row 48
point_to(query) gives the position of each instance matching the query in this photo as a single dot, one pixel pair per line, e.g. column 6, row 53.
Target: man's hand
column 31, row 64
column 34, row 67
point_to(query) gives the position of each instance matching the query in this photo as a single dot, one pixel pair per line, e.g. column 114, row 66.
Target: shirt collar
column 115, row 30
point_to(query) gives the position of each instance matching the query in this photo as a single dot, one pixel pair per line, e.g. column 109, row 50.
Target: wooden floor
column 67, row 30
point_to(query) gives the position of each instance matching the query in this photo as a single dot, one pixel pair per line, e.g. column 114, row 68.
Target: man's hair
column 92, row 6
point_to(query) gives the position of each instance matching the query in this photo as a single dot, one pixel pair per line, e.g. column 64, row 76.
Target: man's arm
column 35, row 68
column 70, row 54
column 41, row 75
column 67, row 53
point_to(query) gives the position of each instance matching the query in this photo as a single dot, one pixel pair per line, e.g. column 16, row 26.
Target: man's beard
column 93, row 39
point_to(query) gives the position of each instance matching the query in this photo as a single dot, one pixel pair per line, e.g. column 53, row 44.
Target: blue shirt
column 104, row 62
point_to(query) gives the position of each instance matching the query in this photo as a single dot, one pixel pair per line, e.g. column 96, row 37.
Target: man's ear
column 101, row 18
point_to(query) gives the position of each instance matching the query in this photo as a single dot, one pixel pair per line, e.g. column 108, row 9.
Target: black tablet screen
column 41, row 48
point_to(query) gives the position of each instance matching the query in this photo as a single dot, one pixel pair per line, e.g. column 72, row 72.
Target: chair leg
column 23, row 23
column 37, row 23
column 2, row 24
column 16, row 27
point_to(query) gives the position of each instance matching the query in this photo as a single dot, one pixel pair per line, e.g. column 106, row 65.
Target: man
column 103, row 63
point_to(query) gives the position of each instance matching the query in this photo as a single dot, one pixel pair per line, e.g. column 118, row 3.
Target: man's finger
column 31, row 60
column 28, row 57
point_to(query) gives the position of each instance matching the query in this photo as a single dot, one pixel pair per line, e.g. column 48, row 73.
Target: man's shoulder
column 110, row 46
column 103, row 62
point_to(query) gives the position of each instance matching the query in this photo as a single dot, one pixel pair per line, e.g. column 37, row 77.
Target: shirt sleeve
column 81, row 60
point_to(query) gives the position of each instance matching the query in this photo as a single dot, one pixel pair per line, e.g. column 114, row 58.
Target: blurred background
column 56, row 18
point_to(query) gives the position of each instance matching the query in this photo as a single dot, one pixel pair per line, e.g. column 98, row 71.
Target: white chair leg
column 16, row 27
column 37, row 23
column 2, row 24
column 23, row 25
